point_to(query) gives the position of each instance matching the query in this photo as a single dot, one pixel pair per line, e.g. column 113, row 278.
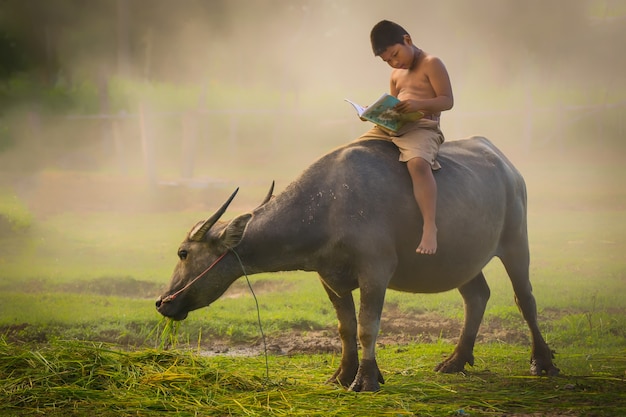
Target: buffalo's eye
column 182, row 254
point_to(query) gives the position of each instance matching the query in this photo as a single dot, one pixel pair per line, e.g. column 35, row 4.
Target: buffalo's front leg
column 368, row 377
column 475, row 296
column 346, row 315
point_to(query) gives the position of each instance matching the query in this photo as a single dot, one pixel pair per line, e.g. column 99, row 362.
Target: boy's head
column 386, row 34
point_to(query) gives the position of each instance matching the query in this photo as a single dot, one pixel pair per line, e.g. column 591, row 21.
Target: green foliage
column 126, row 94
column 25, row 92
column 6, row 139
column 12, row 58
column 14, row 215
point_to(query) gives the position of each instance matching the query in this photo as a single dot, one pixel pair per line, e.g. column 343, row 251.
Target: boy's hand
column 408, row 106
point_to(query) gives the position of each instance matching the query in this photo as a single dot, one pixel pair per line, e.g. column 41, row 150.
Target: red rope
column 177, row 293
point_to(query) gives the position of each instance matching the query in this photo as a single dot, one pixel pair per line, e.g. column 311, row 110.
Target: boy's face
column 400, row 55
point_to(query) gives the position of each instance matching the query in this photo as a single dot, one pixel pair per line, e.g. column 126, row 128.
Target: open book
column 382, row 113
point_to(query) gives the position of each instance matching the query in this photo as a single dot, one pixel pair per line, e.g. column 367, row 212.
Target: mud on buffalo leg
column 368, row 377
column 475, row 296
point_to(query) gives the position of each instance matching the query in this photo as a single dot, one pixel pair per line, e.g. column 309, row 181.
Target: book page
column 359, row 109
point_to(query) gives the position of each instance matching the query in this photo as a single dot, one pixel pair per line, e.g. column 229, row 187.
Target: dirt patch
column 397, row 329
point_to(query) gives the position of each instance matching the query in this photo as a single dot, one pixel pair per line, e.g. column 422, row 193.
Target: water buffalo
column 351, row 217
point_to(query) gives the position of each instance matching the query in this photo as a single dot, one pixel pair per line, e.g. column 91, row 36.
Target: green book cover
column 382, row 113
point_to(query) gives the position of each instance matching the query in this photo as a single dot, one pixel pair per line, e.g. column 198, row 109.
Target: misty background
column 105, row 102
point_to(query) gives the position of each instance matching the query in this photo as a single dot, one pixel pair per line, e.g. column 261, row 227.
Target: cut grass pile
column 84, row 378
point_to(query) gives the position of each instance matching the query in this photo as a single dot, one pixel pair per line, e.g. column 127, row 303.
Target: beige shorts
column 420, row 139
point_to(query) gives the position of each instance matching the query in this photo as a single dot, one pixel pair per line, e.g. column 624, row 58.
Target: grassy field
column 78, row 378
column 79, row 334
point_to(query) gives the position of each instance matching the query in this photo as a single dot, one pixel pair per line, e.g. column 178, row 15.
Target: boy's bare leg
column 425, row 191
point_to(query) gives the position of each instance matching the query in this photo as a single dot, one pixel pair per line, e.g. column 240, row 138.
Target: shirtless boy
column 420, row 81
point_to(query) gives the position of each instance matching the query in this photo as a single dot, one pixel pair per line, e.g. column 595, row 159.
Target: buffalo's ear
column 233, row 232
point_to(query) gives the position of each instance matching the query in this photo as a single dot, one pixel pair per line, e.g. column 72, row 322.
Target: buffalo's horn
column 268, row 197
column 199, row 233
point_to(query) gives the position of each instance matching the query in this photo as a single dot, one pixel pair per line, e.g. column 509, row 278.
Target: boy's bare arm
column 437, row 76
column 440, row 81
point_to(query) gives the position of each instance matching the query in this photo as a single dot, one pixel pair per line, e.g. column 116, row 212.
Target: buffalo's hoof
column 344, row 375
column 541, row 362
column 540, row 367
column 455, row 363
column 368, row 378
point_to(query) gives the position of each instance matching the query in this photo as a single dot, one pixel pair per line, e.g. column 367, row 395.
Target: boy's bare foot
column 428, row 245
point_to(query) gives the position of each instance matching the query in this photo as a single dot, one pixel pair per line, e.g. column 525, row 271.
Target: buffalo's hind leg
column 346, row 315
column 516, row 264
column 475, row 296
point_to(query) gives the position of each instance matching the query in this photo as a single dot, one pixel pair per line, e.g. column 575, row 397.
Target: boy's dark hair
column 385, row 34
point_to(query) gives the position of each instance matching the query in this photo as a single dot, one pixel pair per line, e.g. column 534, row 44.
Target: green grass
column 91, row 378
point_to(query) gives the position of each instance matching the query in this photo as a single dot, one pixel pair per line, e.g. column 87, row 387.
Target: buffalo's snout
column 166, row 309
